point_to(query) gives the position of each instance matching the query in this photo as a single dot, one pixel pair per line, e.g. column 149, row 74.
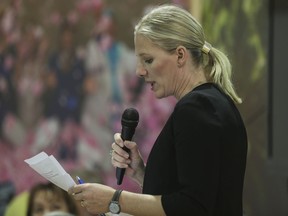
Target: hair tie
column 206, row 47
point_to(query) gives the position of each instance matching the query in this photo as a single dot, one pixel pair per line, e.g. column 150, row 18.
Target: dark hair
column 58, row 192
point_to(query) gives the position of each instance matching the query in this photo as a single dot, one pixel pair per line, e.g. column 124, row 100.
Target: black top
column 198, row 161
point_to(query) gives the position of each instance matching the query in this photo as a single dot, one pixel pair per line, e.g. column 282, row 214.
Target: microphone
column 129, row 122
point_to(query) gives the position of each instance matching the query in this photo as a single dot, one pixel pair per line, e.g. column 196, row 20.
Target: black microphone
column 129, row 121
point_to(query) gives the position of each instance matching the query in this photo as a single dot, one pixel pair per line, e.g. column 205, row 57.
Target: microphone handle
column 120, row 172
column 126, row 134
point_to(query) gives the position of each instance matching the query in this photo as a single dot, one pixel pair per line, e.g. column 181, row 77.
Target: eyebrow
column 142, row 54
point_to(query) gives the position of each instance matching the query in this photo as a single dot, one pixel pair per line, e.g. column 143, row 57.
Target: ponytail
column 219, row 71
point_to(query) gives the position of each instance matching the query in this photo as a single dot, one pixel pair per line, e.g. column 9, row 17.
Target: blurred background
column 67, row 72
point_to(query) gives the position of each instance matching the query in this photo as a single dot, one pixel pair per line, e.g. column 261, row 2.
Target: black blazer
column 198, row 161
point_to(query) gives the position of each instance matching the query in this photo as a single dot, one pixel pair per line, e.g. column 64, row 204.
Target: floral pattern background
column 61, row 60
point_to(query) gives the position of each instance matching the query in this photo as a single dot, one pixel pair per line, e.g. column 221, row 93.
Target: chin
column 159, row 96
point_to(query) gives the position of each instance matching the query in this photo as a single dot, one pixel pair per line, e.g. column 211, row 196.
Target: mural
column 67, row 72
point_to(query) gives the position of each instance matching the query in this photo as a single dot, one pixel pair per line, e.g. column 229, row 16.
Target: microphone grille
column 130, row 117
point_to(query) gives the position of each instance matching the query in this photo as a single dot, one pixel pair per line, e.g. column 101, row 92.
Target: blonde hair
column 170, row 26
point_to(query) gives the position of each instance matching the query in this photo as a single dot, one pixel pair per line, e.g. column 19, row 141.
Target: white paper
column 50, row 168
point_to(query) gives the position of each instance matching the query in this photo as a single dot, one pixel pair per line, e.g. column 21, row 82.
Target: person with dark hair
column 47, row 197
column 197, row 164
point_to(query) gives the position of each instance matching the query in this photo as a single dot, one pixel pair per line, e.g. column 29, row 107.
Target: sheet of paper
column 50, row 168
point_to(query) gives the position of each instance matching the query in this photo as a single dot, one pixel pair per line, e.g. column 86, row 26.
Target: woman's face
column 46, row 201
column 156, row 66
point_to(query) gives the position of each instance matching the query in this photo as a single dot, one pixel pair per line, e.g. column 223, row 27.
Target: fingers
column 132, row 146
column 83, row 204
column 119, row 153
column 117, row 150
column 119, row 161
column 75, row 190
column 119, row 157
column 78, row 192
column 118, row 139
column 119, row 142
column 80, row 196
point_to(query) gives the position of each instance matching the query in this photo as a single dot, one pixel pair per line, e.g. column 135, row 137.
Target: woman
column 197, row 163
column 47, row 197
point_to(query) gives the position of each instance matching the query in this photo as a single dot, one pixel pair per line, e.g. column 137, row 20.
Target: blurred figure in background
column 31, row 66
column 65, row 78
column 47, row 197
column 114, row 63
column 63, row 97
column 17, row 205
column 11, row 129
column 110, row 65
column 58, row 213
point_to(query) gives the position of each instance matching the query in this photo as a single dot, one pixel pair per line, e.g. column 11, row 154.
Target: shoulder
column 203, row 98
column 18, row 206
column 202, row 106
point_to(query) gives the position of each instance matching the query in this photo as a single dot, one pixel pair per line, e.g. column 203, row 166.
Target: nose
column 140, row 71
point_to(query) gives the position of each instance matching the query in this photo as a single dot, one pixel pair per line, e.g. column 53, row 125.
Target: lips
column 151, row 83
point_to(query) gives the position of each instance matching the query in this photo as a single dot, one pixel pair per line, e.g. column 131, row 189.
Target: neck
column 189, row 82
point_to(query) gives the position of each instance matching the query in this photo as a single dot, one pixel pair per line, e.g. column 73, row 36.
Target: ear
column 182, row 54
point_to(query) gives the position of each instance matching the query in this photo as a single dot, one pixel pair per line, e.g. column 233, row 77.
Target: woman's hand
column 92, row 196
column 132, row 161
column 95, row 198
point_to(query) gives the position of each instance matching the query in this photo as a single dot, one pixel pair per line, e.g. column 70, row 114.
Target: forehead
column 145, row 46
column 48, row 196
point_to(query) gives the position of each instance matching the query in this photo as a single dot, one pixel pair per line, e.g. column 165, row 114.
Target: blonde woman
column 197, row 164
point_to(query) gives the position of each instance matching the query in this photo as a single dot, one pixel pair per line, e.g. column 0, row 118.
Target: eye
column 149, row 61
column 56, row 206
column 38, row 210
